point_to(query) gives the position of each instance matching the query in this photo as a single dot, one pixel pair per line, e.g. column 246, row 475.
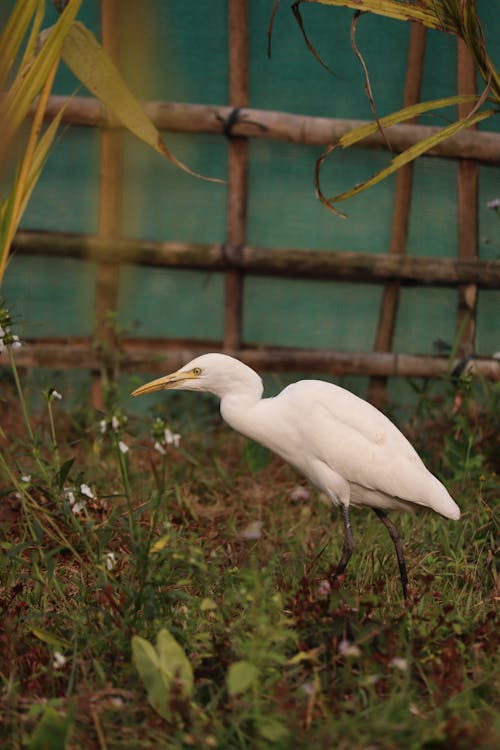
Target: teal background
column 178, row 51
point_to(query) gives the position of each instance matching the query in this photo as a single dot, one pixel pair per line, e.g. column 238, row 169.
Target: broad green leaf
column 240, row 676
column 88, row 61
column 51, row 732
column 410, row 154
column 174, row 662
column 160, row 667
column 147, row 664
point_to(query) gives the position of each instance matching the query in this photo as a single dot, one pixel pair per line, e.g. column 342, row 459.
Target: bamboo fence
column 468, row 273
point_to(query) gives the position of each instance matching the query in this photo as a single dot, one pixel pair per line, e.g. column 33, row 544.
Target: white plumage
column 341, row 443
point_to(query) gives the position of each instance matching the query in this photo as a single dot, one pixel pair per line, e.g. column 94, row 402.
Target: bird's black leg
column 398, row 546
column 348, row 544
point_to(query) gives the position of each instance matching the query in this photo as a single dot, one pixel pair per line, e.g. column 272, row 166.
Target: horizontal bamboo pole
column 158, row 356
column 484, row 146
column 341, row 266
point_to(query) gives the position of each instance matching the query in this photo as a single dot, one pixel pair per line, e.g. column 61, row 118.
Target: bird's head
column 219, row 374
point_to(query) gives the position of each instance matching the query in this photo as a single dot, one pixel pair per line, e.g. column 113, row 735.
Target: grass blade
column 398, row 161
column 423, row 12
column 13, row 35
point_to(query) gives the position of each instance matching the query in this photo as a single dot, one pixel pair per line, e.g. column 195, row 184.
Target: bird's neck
column 240, row 411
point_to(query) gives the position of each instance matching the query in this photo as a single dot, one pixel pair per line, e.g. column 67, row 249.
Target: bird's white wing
column 358, row 442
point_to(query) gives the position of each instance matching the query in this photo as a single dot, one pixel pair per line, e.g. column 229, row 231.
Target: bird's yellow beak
column 165, row 382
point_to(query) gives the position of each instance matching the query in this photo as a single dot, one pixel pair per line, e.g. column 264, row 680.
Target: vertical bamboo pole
column 237, row 169
column 110, row 203
column 467, row 209
column 401, row 214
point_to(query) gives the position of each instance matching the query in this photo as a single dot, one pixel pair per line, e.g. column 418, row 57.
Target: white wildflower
column 324, row 588
column 69, row 495
column 59, row 660
column 102, row 426
column 309, row 688
column 76, row 506
column 299, row 493
column 110, row 560
column 55, row 395
column 159, row 447
column 494, row 204
column 398, row 663
column 85, row 490
column 252, row 531
column 172, row 438
column 15, row 343
column 123, row 447
column 26, row 478
column 347, row 648
column 115, row 422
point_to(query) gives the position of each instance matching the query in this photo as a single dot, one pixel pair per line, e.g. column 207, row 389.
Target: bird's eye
column 196, row 370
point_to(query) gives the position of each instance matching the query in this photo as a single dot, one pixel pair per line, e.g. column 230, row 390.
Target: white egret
column 341, row 443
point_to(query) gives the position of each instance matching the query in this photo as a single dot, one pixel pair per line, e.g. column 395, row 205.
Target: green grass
column 353, row 668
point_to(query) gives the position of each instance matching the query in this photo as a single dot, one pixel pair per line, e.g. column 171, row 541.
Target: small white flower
column 59, row 660
column 123, row 447
column 26, row 478
column 110, row 560
column 299, row 493
column 77, row 508
column 115, row 422
column 85, row 490
column 102, row 426
column 494, row 204
column 159, row 447
column 346, row 648
column 70, row 495
column 56, row 395
column 252, row 531
column 172, row 438
column 309, row 688
column 398, row 663
column 324, row 588
column 15, row 343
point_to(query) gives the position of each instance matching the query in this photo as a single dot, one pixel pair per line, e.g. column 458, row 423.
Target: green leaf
column 272, row 729
column 160, row 667
column 51, row 640
column 401, row 115
column 174, row 662
column 424, row 12
column 256, row 457
column 13, row 34
column 92, row 66
column 240, row 676
column 410, row 154
column 64, row 471
column 30, row 79
column 147, row 664
column 51, row 732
